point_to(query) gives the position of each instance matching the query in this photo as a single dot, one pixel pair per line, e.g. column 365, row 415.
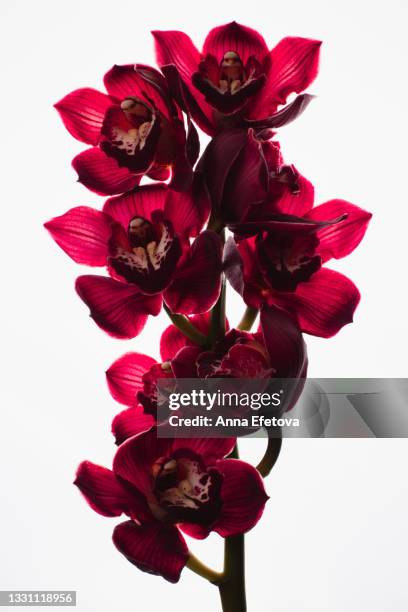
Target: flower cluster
column 175, row 227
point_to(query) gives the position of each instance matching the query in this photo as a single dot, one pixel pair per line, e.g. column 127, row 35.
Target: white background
column 334, row 535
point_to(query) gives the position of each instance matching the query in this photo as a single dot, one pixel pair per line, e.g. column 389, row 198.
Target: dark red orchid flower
column 277, row 350
column 167, row 486
column 143, row 239
column 279, row 255
column 134, row 129
column 236, row 79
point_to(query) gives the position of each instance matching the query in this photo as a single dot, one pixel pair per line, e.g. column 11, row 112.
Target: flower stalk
column 186, row 327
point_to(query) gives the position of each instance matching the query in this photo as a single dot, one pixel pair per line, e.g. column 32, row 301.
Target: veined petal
column 197, row 281
column 131, row 422
column 243, row 497
column 154, row 548
column 125, row 81
column 188, row 210
column 124, row 376
column 297, row 204
column 117, row 308
column 342, row 238
column 294, row 65
column 83, row 233
column 323, row 304
column 82, row 112
column 104, row 492
column 172, row 339
column 102, row 174
column 140, row 202
column 176, row 48
column 238, row 38
column 210, row 449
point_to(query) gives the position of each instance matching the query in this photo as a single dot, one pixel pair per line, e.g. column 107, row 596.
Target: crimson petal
column 238, row 38
column 125, row 81
column 124, row 376
column 117, row 308
column 197, row 282
column 138, row 203
column 102, row 174
column 154, row 548
column 294, row 65
column 131, row 422
column 243, row 497
column 284, row 116
column 82, row 112
column 342, row 238
column 104, row 492
column 83, row 233
column 172, row 339
column 323, row 304
column 188, row 210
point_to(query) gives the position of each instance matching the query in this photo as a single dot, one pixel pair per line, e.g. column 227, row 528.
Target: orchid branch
column 186, row 327
column 270, row 457
column 248, row 319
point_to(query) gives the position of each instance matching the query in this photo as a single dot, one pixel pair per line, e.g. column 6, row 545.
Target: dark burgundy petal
column 160, row 173
column 238, row 38
column 124, row 376
column 138, row 203
column 247, row 181
column 102, row 174
column 284, row 342
column 282, row 117
column 225, row 102
column 154, row 548
column 117, row 308
column 322, row 305
column 135, row 457
column 188, row 210
column 197, row 281
column 209, row 449
column 103, row 491
column 184, row 364
column 342, row 238
column 172, row 339
column 243, row 497
column 82, row 112
column 83, row 233
column 125, row 81
column 233, row 265
column 190, row 100
column 196, row 530
column 293, row 66
column 131, row 422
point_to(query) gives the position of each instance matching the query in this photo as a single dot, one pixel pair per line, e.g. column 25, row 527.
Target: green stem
column 198, row 567
column 248, row 319
column 232, row 587
column 271, row 455
column 186, row 327
column 232, row 590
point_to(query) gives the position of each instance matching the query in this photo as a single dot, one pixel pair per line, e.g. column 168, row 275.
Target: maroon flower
column 166, row 485
column 236, row 76
column 135, row 129
column 277, row 350
column 280, row 259
column 143, row 238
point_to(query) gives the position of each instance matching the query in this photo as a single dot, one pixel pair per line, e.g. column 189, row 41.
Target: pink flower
column 134, row 129
column 168, row 486
column 143, row 239
column 236, row 75
column 278, row 260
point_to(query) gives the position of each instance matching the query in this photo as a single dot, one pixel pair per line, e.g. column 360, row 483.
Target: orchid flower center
column 184, row 488
column 130, row 133
column 288, row 261
column 232, row 73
